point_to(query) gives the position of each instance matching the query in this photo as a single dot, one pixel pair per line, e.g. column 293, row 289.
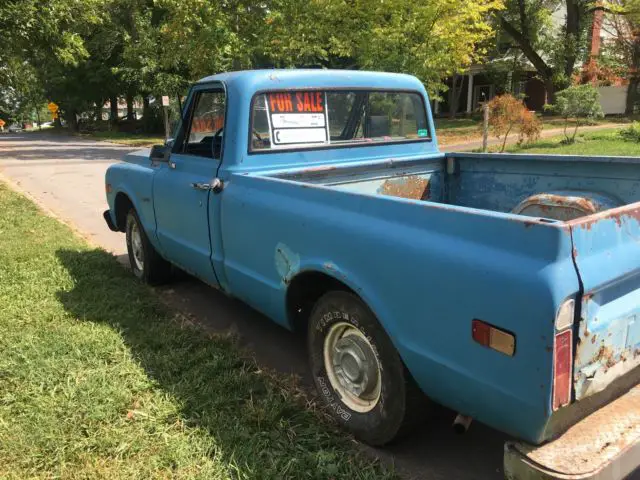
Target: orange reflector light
column 492, row 337
column 108, row 188
column 562, row 353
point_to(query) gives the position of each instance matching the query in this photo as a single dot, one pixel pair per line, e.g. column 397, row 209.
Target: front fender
column 136, row 182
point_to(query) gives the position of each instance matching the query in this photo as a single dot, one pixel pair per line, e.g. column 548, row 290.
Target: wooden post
column 165, row 112
column 485, row 126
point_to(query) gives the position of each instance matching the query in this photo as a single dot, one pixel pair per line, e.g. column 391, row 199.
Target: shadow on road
column 435, row 452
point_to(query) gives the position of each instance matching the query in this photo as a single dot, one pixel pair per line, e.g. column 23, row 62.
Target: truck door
column 183, row 186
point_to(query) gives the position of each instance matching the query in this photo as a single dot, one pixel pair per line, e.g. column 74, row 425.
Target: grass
column 123, row 138
column 134, row 140
column 460, row 130
column 606, row 142
column 99, row 380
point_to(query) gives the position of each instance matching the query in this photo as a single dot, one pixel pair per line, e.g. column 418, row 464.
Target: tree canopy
column 80, row 53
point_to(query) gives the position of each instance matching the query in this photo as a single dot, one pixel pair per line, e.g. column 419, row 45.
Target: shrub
column 508, row 114
column 581, row 103
column 631, row 133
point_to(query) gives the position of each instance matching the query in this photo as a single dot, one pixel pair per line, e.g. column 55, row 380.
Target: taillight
column 563, row 355
column 493, row 337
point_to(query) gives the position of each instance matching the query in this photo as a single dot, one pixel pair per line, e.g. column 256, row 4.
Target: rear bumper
column 604, row 445
column 109, row 220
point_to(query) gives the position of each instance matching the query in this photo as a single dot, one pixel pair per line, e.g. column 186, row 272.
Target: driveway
column 65, row 175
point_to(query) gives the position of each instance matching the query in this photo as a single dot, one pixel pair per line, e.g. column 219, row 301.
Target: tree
column 506, row 114
column 553, row 52
column 625, row 48
column 581, row 103
column 50, row 36
column 431, row 40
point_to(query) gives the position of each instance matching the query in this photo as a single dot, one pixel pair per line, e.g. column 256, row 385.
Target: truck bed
column 500, row 183
column 542, row 219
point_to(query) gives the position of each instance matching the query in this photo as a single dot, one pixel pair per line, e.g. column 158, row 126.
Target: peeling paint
column 287, row 263
column 412, row 187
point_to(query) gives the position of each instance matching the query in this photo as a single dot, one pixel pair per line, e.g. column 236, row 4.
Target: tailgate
column 606, row 250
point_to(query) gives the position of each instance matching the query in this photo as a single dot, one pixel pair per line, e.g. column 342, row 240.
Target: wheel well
column 303, row 293
column 122, row 206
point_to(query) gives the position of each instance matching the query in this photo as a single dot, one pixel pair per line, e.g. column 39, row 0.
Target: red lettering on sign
column 281, row 102
column 303, row 102
column 319, row 101
column 287, row 103
column 307, row 102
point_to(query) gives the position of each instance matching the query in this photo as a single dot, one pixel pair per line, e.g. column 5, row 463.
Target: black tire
column 154, row 269
column 401, row 404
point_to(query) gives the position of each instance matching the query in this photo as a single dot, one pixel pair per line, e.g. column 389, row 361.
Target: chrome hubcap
column 136, row 246
column 352, row 367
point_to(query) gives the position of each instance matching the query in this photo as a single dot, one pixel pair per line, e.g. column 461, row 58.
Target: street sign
column 165, row 100
column 53, row 108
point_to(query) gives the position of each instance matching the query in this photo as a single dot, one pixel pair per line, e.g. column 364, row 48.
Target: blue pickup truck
column 505, row 287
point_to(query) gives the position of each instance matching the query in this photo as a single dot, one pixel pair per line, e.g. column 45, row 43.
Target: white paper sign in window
column 297, row 118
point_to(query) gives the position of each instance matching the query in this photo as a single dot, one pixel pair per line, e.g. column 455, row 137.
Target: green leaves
column 581, row 103
column 85, row 51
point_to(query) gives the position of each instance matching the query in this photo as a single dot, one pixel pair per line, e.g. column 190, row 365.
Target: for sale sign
column 298, row 118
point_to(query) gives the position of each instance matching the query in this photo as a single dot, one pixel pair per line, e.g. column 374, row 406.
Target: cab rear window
column 311, row 119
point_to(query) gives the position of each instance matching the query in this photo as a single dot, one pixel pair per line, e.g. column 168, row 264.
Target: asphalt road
column 65, row 175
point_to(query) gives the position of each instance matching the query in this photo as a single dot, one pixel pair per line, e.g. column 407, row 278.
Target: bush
column 508, row 114
column 582, row 103
column 631, row 133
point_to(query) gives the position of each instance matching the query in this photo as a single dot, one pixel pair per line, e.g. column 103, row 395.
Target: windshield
column 304, row 119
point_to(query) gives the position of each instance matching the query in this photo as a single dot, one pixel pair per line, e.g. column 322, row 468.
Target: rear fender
column 355, row 283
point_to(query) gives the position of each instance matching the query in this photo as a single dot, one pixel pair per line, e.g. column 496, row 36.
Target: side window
column 204, row 137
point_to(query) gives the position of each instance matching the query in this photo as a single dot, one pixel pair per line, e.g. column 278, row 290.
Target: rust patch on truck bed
column 412, row 187
column 616, row 214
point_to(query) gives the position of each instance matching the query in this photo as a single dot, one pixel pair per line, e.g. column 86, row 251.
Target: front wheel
column 358, row 372
column 146, row 263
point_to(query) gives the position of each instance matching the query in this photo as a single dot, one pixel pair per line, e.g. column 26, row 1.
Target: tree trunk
column 72, row 119
column 129, row 107
column 113, row 110
column 454, row 95
column 634, row 82
column 146, row 114
column 550, row 87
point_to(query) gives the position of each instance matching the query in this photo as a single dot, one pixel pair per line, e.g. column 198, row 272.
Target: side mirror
column 159, row 153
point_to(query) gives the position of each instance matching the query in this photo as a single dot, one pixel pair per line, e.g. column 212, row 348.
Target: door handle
column 201, row 186
column 216, row 185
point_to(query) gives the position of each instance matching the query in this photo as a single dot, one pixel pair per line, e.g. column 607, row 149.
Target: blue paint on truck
column 427, row 240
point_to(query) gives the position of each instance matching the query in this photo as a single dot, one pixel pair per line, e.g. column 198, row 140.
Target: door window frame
column 187, row 118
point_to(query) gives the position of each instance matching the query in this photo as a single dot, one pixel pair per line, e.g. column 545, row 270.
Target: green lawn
column 135, row 140
column 465, row 129
column 99, row 380
column 595, row 143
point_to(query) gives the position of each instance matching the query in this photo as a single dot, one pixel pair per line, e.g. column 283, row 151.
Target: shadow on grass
column 258, row 421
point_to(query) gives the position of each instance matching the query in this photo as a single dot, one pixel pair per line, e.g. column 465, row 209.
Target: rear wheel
column 146, row 263
column 358, row 372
